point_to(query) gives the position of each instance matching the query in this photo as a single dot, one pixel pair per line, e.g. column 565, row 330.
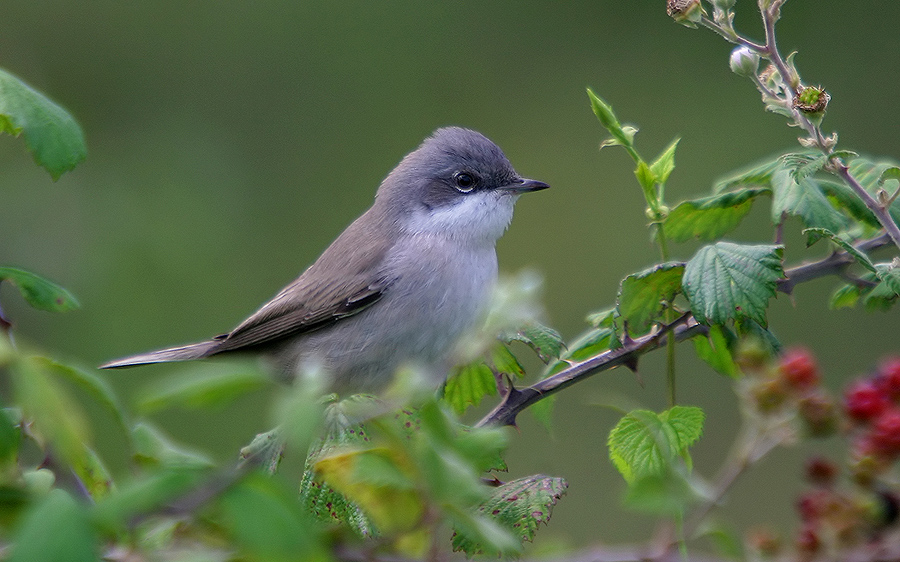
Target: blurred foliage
column 170, row 95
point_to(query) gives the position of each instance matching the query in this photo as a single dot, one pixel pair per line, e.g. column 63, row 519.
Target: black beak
column 522, row 185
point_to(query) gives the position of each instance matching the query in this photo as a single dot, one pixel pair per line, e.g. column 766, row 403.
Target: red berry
column 885, row 434
column 799, row 368
column 864, row 400
column 821, row 471
column 812, row 505
column 889, row 376
column 807, row 541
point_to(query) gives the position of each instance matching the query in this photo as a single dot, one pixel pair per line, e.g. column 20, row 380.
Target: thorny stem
column 683, row 327
column 881, row 212
column 770, row 11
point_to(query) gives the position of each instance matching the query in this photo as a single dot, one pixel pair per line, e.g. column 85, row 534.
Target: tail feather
column 181, row 353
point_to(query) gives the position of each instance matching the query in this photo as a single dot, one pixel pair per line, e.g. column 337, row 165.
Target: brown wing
column 346, row 279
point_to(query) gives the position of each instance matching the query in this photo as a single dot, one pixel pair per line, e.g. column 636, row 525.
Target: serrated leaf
column 393, row 509
column 842, row 197
column 320, row 499
column 203, row 386
column 880, row 297
column 37, row 291
column 644, row 443
column 51, row 134
column 726, row 281
column 889, row 275
column 747, row 328
column 868, row 174
column 520, row 506
column 545, row 341
column 468, row 385
column 759, row 175
column 643, row 296
column 709, row 218
column 804, row 199
column 664, row 164
column 845, row 245
column 715, row 350
column 477, row 534
column 56, row 529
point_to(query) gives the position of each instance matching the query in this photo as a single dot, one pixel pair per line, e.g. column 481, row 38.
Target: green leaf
column 844, row 198
column 607, row 118
column 545, row 341
column 646, row 178
column 643, row 296
column 265, row 450
column 664, row 164
column 320, row 499
column 153, row 448
column 726, row 281
column 37, row 291
column 96, row 387
column 759, row 175
column 709, row 218
column 520, row 506
column 845, row 296
column 10, row 437
column 845, row 245
column 468, row 385
column 57, row 529
column 144, row 495
column 202, row 386
column 267, row 522
column 868, row 174
column 715, row 350
column 56, row 416
column 51, row 134
column 889, row 275
column 805, row 200
column 747, row 329
column 666, row 494
column 477, row 534
column 644, row 443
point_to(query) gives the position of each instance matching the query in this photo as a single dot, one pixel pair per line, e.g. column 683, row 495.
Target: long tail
column 182, row 353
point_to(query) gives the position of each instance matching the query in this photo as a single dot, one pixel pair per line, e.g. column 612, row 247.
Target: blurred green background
column 230, row 142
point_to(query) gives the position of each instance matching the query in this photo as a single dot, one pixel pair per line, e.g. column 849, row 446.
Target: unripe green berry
column 744, row 61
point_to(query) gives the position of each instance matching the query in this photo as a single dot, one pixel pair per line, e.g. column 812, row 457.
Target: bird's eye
column 464, row 182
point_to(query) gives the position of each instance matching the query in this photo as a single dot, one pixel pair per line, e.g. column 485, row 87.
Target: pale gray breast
column 439, row 291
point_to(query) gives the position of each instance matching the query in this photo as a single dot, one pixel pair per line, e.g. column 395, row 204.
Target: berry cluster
column 792, row 386
column 835, row 519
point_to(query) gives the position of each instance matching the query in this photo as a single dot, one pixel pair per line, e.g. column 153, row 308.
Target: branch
column 515, row 400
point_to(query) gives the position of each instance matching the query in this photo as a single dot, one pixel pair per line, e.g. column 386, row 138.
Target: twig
column 515, row 400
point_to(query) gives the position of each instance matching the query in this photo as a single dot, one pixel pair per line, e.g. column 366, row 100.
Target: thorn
column 632, row 364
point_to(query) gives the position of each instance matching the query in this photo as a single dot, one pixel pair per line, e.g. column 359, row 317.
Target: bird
column 398, row 287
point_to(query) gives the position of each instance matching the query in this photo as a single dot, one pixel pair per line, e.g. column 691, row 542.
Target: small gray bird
column 400, row 285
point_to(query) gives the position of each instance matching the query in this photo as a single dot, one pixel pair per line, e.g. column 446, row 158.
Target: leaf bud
column 744, row 61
